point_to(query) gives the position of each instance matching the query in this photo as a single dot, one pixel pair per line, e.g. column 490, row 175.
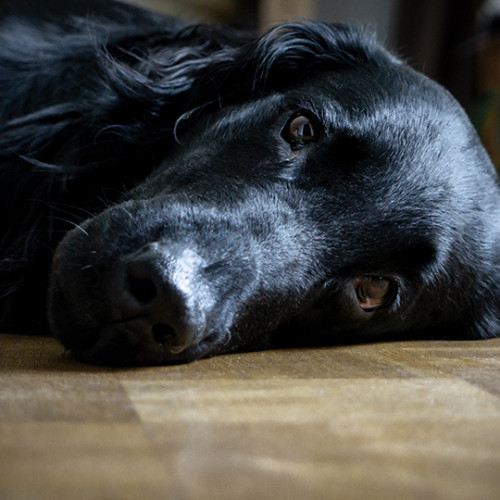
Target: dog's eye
column 374, row 291
column 300, row 130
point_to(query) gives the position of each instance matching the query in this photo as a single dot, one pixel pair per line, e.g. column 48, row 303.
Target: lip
column 109, row 351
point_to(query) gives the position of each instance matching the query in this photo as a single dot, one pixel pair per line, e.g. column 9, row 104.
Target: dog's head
column 337, row 194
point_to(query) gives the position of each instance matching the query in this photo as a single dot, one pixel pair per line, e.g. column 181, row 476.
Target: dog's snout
column 158, row 294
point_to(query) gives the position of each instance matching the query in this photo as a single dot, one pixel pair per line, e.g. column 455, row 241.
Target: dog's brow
column 248, row 114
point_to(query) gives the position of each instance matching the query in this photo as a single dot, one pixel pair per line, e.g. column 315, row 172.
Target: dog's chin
column 113, row 345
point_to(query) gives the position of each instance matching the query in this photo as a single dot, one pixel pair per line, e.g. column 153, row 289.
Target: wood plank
column 385, row 420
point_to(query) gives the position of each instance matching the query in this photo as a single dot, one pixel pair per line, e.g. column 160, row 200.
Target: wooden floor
column 412, row 420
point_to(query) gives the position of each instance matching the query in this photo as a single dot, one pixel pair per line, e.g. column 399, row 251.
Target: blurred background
column 456, row 42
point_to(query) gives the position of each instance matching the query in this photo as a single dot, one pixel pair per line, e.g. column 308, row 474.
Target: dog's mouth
column 119, row 344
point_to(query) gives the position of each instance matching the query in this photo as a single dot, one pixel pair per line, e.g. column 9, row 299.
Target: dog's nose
column 159, row 295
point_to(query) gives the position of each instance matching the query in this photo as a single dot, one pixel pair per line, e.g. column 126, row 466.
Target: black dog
column 239, row 193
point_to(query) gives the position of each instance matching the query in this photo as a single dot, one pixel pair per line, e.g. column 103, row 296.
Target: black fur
column 188, row 222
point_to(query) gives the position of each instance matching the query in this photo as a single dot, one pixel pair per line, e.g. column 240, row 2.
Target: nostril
column 142, row 289
column 163, row 333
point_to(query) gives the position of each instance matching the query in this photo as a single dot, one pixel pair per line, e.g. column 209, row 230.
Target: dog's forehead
column 374, row 89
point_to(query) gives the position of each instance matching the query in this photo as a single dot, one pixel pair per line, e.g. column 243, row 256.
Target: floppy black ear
column 294, row 50
column 150, row 82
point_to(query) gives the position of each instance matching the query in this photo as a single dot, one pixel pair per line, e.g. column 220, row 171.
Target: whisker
column 127, row 212
column 74, row 224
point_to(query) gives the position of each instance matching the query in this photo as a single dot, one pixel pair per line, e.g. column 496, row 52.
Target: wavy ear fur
column 294, row 50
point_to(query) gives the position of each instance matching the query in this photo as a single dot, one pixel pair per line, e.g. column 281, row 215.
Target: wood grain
column 413, row 420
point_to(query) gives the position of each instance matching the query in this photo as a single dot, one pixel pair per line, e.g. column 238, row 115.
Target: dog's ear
column 294, row 50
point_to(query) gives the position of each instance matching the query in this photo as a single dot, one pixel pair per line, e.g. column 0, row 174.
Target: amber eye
column 300, row 130
column 374, row 291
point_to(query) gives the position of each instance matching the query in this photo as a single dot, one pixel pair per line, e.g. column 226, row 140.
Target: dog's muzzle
column 145, row 283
